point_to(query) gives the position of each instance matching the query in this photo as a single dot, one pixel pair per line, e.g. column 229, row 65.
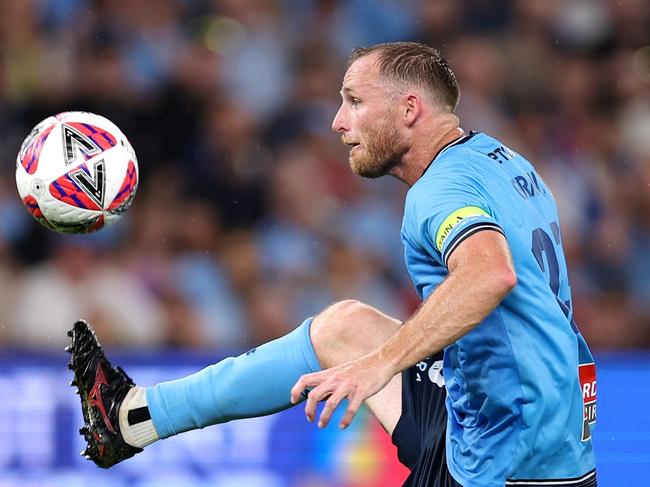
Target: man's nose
column 339, row 124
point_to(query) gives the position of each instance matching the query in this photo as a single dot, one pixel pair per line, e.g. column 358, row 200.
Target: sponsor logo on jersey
column 588, row 387
column 454, row 219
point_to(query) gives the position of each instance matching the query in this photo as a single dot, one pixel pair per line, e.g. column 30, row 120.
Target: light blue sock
column 256, row 383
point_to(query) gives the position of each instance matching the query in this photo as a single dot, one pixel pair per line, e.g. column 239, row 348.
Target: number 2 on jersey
column 544, row 245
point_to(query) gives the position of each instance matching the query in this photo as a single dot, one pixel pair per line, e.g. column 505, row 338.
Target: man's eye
column 355, row 102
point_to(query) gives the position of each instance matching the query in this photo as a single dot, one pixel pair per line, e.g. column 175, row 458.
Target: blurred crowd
column 247, row 218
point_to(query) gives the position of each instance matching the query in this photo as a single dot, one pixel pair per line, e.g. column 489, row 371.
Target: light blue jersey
column 518, row 411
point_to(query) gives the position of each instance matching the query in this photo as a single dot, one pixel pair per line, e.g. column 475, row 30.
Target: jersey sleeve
column 447, row 211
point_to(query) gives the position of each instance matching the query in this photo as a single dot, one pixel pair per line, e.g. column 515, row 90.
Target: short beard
column 383, row 152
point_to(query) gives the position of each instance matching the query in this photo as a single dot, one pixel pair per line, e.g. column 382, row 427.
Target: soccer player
column 483, row 248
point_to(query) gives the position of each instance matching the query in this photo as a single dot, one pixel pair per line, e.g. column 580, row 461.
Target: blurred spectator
column 78, row 282
column 256, row 73
column 202, row 280
column 248, row 218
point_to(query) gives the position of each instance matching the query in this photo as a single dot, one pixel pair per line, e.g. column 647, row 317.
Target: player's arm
column 481, row 274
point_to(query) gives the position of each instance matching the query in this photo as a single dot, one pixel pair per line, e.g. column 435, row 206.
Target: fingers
column 355, row 399
column 353, row 406
column 328, row 387
column 330, row 406
column 306, row 382
column 320, row 393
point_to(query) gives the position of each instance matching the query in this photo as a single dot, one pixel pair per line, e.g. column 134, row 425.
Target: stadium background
column 247, row 218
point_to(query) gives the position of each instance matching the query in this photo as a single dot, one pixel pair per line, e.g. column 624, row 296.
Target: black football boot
column 102, row 389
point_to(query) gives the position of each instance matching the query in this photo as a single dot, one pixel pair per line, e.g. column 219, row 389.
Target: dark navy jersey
column 517, row 408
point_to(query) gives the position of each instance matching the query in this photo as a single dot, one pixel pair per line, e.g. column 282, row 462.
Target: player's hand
column 355, row 381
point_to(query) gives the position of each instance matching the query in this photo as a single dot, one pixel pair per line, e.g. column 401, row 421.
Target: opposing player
column 483, row 248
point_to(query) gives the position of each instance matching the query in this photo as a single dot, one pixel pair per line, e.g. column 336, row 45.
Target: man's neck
column 425, row 149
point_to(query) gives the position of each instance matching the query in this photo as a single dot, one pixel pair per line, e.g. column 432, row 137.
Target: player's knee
column 343, row 311
column 339, row 317
column 349, row 328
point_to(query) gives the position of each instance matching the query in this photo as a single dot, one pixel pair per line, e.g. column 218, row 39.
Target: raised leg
column 349, row 330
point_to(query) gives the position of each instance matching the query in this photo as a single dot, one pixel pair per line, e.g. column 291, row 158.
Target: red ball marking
column 66, row 190
column 128, row 185
column 97, row 224
column 32, row 207
column 30, row 158
column 105, row 140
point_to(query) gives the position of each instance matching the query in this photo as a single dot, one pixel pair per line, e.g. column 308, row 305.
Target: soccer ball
column 76, row 172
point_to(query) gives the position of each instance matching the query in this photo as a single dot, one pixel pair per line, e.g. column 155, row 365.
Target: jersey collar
column 455, row 142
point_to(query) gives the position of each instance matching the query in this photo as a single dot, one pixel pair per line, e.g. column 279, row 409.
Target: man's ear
column 412, row 109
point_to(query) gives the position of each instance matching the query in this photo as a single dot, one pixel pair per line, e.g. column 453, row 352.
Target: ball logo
column 75, row 142
column 95, row 186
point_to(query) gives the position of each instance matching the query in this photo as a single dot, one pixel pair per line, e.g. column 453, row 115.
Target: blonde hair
column 413, row 63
